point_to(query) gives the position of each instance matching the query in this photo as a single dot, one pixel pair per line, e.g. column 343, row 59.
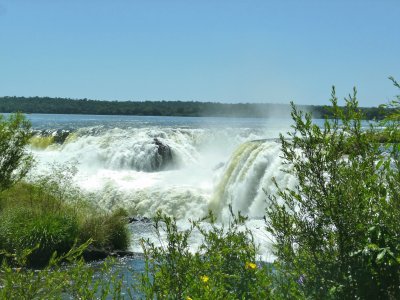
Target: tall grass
column 47, row 232
column 107, row 230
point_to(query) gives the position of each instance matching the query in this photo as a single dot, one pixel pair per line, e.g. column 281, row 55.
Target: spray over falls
column 184, row 172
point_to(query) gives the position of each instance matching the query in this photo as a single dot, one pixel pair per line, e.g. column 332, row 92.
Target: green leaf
column 381, row 255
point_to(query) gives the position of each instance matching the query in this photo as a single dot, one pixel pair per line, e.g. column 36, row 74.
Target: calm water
column 54, row 121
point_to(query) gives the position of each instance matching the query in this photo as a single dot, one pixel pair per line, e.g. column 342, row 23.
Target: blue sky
column 205, row 50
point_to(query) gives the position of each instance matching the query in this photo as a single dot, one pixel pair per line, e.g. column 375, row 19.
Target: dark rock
column 138, row 219
column 91, row 253
column 60, row 136
column 132, row 220
column 122, row 253
column 145, row 220
column 159, row 156
column 164, row 157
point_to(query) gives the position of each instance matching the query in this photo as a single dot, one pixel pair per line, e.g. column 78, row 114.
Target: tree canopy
column 162, row 108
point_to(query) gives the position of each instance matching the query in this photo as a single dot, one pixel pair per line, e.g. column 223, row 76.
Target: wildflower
column 204, row 278
column 300, row 281
column 188, row 298
column 250, row 266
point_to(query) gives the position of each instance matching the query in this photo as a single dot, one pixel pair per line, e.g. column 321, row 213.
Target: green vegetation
column 56, row 281
column 15, row 162
column 163, row 108
column 338, row 232
column 24, row 228
column 107, row 230
column 223, row 267
column 38, row 214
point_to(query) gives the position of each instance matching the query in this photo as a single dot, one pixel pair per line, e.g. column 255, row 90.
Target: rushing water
column 181, row 165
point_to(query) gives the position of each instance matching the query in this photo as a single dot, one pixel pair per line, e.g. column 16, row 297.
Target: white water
column 212, row 168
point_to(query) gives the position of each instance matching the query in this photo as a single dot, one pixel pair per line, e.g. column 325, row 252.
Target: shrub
column 45, row 232
column 107, row 230
column 78, row 280
column 15, row 162
column 337, row 231
column 224, row 266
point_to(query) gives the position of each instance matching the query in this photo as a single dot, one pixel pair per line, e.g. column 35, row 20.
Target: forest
column 48, row 105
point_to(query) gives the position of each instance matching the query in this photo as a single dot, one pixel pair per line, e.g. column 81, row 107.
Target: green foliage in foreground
column 223, row 267
column 57, row 280
column 338, row 231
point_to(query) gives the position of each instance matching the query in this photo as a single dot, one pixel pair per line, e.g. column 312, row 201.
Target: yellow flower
column 204, row 278
column 250, row 265
column 188, row 298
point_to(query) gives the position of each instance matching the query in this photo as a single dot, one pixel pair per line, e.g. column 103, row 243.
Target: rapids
column 183, row 169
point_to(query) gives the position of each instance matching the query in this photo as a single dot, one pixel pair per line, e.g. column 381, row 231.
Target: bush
column 337, row 232
column 107, row 230
column 224, row 266
column 75, row 281
column 15, row 162
column 45, row 232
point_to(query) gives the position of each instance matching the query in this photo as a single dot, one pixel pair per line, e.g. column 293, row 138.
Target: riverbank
column 49, row 216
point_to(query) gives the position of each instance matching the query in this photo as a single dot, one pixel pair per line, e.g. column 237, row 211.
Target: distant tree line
column 50, row 105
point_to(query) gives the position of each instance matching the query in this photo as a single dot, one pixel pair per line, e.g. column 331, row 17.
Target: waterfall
column 247, row 180
column 173, row 169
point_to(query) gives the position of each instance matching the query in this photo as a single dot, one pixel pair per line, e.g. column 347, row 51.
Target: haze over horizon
column 217, row 51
